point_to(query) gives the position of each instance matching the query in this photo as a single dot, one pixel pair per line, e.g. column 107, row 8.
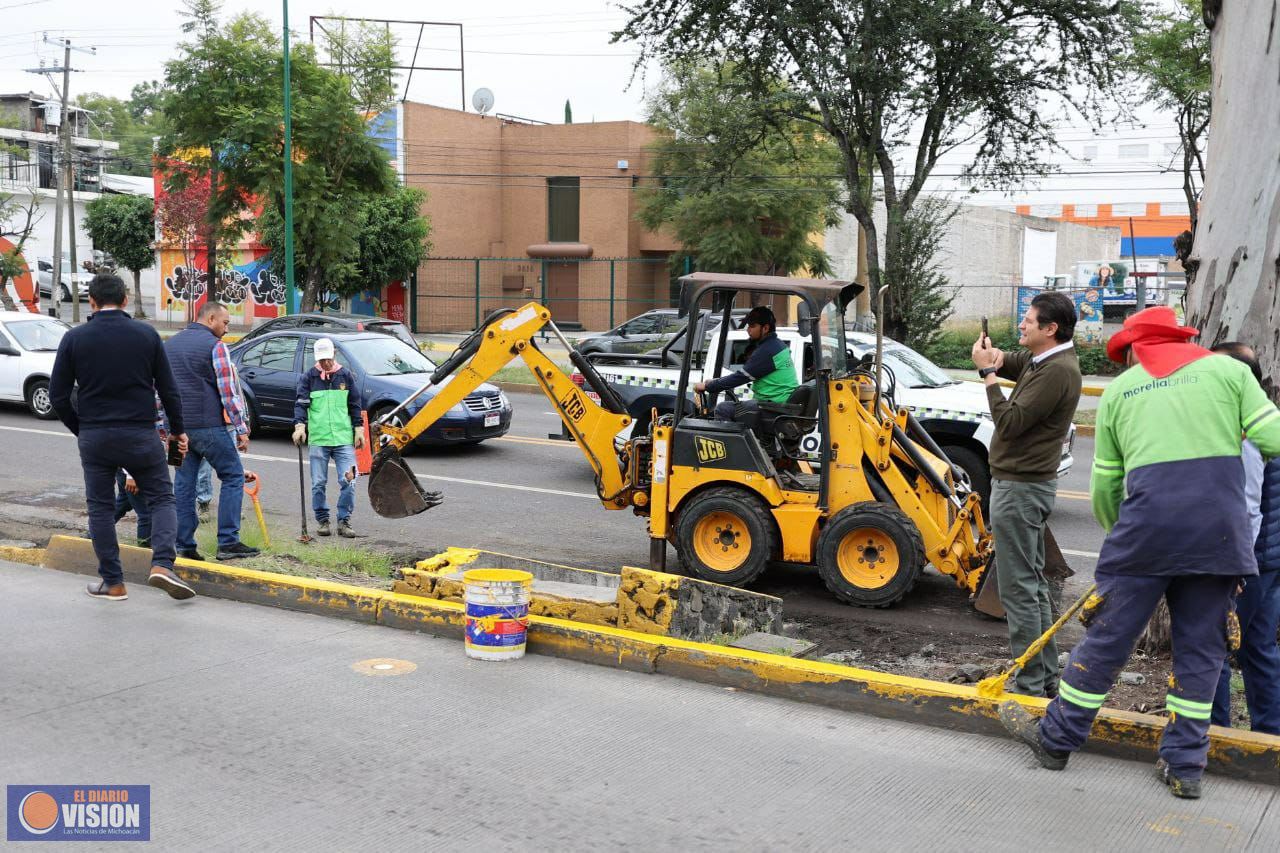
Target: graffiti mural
column 248, row 288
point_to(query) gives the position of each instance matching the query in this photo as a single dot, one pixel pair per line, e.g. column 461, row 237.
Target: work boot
column 322, row 529
column 102, row 592
column 236, row 550
column 202, row 509
column 190, row 554
column 1026, row 728
column 1186, row 789
column 344, row 529
column 165, row 579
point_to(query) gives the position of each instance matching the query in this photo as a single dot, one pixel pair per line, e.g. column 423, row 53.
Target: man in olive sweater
column 1030, row 427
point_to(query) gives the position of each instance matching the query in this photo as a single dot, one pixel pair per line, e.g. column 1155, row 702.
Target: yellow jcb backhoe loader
column 733, row 497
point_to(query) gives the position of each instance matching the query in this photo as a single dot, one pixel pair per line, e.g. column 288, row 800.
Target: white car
column 44, row 280
column 28, row 344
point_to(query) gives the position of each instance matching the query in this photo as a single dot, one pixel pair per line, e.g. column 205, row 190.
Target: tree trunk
column 139, row 310
column 1231, row 274
column 1231, row 289
column 4, row 296
column 311, row 290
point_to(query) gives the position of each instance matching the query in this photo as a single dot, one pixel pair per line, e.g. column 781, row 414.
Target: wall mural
column 249, row 289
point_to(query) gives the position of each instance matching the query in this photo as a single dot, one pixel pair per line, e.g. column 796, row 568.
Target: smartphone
column 985, row 336
column 175, row 453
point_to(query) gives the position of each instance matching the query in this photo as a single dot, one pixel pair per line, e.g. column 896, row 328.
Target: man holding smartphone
column 120, row 367
column 1030, row 427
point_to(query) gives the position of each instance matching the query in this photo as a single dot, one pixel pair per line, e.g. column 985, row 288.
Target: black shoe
column 236, row 550
column 1186, row 789
column 190, row 554
column 1026, row 728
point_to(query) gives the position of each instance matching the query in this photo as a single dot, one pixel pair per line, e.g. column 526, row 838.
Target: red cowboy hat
column 1148, row 326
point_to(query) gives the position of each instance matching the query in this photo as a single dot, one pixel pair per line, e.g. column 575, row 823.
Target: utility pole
column 291, row 289
column 66, row 181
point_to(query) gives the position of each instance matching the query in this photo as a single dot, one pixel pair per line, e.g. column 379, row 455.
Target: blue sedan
column 388, row 371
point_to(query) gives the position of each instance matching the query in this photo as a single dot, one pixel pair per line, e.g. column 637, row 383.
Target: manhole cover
column 384, row 666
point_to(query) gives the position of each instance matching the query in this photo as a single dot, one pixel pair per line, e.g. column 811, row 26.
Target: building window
column 562, row 210
column 1133, row 151
column 1173, row 208
column 1046, row 210
column 1086, row 211
column 1090, row 152
column 1129, row 208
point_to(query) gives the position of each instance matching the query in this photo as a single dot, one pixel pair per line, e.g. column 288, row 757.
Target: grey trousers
column 1019, row 513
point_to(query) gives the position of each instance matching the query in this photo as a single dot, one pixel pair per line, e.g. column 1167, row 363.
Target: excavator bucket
column 1056, row 571
column 394, row 492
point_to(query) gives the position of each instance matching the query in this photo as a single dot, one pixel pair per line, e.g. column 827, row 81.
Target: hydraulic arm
column 395, row 492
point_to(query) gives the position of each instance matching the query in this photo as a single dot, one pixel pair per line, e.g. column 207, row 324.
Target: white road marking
column 1093, row 555
column 63, row 434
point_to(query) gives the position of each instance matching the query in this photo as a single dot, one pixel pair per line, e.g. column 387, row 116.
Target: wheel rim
column 40, row 401
column 721, row 541
column 868, row 558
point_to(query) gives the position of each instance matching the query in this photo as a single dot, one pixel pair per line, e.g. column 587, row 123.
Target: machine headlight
column 502, row 398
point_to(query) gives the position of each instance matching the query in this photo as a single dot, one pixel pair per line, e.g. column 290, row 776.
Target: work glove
column 299, row 434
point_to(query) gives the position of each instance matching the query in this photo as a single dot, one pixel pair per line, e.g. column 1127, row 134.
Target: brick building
column 525, row 211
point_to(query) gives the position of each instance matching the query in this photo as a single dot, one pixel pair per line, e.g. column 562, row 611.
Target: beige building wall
column 486, row 185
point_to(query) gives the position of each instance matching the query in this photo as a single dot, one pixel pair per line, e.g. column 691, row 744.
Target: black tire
column 977, row 469
column 64, row 295
column 714, row 525
column 38, row 400
column 251, row 419
column 870, row 554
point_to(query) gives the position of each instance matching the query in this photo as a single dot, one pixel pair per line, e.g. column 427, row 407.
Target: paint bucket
column 497, row 612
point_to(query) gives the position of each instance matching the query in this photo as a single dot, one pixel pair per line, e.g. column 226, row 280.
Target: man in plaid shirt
column 206, row 379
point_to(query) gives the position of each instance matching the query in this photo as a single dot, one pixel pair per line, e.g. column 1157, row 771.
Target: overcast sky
column 532, row 62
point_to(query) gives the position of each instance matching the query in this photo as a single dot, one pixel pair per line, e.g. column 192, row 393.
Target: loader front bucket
column 394, row 492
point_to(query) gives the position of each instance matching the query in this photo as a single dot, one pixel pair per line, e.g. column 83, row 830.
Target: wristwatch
column 986, row 371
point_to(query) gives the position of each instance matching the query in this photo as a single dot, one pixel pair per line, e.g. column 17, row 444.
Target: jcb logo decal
column 709, row 449
column 573, row 406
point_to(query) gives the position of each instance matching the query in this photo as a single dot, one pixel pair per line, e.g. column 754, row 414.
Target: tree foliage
column 225, row 101
column 124, row 227
column 743, row 192
column 1170, row 57
column 912, row 269
column 17, row 220
column 897, row 85
column 129, row 124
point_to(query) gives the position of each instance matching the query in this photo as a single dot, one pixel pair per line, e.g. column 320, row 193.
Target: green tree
column 1170, row 56
column 742, row 192
column 224, row 95
column 912, row 269
column 897, row 85
column 12, row 264
column 115, row 120
column 124, row 226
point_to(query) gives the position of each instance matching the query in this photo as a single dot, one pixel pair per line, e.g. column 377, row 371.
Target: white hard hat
column 324, row 349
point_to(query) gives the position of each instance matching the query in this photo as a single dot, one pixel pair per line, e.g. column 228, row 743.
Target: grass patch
column 1086, row 417
column 289, row 556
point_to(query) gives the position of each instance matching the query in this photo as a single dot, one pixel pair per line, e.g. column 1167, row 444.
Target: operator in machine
column 768, row 368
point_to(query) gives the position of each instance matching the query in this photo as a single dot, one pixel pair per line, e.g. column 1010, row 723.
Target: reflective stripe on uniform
column 1260, row 417
column 1188, row 708
column 1092, row 701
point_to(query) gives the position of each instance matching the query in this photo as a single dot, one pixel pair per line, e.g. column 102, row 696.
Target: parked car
column 44, row 280
column 28, row 344
column 648, row 333
column 387, row 370
column 333, row 321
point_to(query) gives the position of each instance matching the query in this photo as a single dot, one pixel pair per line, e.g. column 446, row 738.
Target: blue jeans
column 204, row 482
column 103, row 452
column 214, row 444
column 344, row 461
column 1258, row 609
column 126, row 502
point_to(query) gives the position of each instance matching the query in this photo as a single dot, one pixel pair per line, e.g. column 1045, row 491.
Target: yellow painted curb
column 1084, row 430
column 1235, row 753
column 1086, row 390
column 30, row 556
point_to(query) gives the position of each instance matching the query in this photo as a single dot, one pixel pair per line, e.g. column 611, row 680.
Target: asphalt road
column 531, row 496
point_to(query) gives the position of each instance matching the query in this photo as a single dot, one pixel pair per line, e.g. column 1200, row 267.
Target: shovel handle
column 1036, row 647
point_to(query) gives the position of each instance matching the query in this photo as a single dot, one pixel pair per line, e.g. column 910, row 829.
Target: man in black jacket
column 120, row 366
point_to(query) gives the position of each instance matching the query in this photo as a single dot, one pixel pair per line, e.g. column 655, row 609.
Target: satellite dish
column 482, row 100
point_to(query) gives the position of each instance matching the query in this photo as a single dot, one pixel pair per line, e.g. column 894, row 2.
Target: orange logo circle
column 38, row 812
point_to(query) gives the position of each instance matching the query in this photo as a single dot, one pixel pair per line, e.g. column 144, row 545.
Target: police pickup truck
column 955, row 413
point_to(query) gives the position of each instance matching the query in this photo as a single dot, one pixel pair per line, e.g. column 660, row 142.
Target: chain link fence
column 455, row 294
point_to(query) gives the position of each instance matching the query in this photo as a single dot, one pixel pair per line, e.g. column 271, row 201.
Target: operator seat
column 781, row 426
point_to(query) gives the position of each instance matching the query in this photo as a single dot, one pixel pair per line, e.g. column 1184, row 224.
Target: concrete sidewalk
column 254, row 730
